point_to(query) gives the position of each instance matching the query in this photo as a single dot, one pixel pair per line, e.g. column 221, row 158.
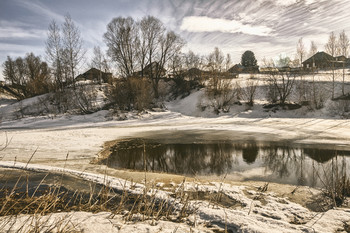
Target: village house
column 268, row 70
column 94, row 75
column 151, row 70
column 322, row 60
column 236, row 69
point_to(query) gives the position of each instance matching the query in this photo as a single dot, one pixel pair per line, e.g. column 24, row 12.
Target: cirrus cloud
column 207, row 24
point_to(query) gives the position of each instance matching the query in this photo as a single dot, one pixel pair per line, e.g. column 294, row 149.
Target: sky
column 266, row 27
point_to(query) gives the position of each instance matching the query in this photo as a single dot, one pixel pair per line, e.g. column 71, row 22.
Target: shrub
column 221, row 92
column 132, row 93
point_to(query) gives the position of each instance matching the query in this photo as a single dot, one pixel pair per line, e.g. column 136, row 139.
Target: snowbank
column 82, row 137
column 257, row 211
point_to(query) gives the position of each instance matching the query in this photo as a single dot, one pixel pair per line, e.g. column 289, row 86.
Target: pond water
column 38, row 182
column 281, row 162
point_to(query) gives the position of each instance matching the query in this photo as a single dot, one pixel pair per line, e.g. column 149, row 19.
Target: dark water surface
column 248, row 159
column 32, row 182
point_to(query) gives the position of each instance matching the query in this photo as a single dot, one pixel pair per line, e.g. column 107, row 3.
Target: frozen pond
column 271, row 161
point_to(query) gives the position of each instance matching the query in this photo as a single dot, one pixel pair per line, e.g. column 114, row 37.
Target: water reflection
column 280, row 163
column 250, row 153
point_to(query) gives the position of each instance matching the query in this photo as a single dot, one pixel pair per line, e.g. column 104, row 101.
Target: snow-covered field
column 80, row 137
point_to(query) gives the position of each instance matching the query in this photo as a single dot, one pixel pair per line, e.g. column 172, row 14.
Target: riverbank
column 72, row 142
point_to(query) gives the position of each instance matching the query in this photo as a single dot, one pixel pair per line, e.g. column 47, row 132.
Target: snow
column 82, row 138
column 99, row 222
column 272, row 215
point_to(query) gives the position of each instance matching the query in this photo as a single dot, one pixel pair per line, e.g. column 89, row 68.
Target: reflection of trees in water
column 188, row 159
column 250, row 153
column 301, row 166
column 175, row 158
column 221, row 158
column 281, row 160
column 320, row 155
column 289, row 162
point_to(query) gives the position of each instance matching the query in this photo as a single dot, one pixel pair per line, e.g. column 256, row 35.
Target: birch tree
column 313, row 49
column 331, row 48
column 301, row 51
column 53, row 50
column 73, row 51
column 122, row 41
column 136, row 45
column 151, row 31
column 99, row 61
column 343, row 47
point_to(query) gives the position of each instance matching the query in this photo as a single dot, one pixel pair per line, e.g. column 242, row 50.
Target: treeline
column 151, row 65
column 30, row 76
column 144, row 52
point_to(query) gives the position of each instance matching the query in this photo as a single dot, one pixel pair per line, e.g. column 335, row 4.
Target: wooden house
column 94, row 75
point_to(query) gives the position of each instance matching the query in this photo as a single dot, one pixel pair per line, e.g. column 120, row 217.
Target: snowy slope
column 82, row 137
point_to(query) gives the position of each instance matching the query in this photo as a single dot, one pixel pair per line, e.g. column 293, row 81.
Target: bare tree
column 73, row 51
column 54, row 53
column 219, row 89
column 301, row 51
column 28, row 76
column 9, row 71
column 313, row 49
column 151, row 31
column 283, row 61
column 331, row 48
column 228, row 62
column 144, row 44
column 170, row 45
column 268, row 62
column 249, row 91
column 222, row 93
column 281, row 84
column 122, row 41
column 192, row 60
column 216, row 60
column 98, row 59
column 215, row 64
column 343, row 47
column 100, row 62
column 343, row 44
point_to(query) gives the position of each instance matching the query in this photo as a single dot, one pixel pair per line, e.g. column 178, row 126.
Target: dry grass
column 44, row 200
column 336, row 182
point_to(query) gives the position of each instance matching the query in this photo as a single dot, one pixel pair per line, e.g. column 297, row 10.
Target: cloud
column 18, row 33
column 285, row 2
column 206, row 24
column 38, row 8
column 19, row 30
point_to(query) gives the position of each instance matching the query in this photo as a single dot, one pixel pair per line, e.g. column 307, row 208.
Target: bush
column 316, row 95
column 182, row 87
column 131, row 94
column 339, row 108
column 248, row 93
column 222, row 93
column 337, row 182
column 280, row 87
column 85, row 98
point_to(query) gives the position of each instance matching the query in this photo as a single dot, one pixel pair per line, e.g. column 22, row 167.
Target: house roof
column 194, row 71
column 341, row 58
column 236, row 67
column 91, row 73
column 319, row 57
column 153, row 66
